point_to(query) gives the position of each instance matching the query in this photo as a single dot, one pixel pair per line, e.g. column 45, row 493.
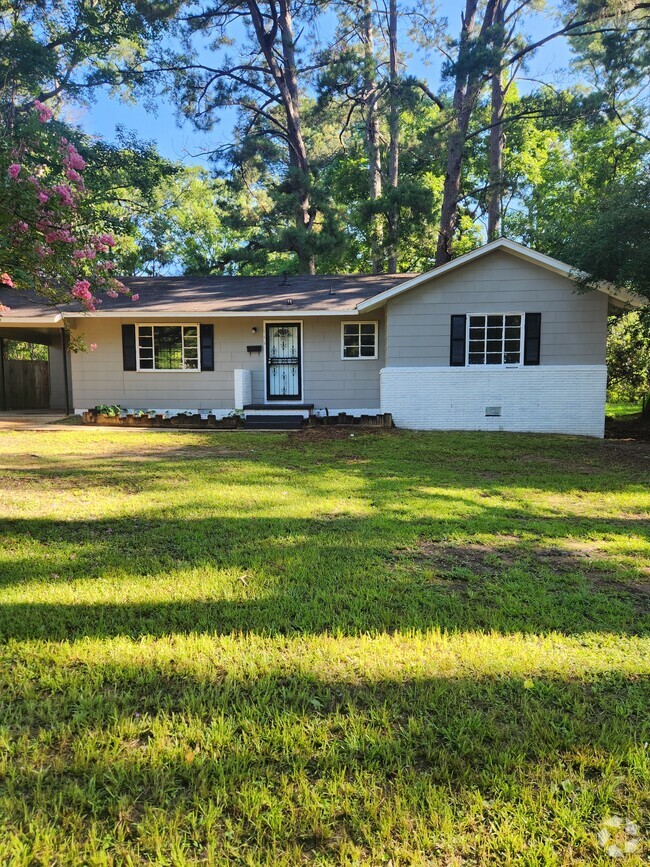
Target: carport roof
column 26, row 308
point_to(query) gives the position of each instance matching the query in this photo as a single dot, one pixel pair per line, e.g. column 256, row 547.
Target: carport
column 27, row 384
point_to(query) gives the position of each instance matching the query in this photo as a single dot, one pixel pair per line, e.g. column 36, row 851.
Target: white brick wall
column 567, row 399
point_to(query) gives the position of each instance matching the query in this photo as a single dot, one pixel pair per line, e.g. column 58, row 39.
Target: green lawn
column 386, row 649
column 623, row 410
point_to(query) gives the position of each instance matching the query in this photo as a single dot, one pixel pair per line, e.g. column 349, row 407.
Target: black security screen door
column 283, row 380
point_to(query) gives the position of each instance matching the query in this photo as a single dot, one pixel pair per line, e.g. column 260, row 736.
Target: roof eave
column 22, row 321
column 134, row 313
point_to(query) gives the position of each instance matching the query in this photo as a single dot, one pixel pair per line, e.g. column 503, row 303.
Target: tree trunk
column 393, row 152
column 495, row 179
column 495, row 176
column 286, row 78
column 305, row 213
column 372, row 137
column 467, row 87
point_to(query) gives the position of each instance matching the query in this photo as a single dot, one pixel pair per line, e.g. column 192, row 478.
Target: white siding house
column 498, row 339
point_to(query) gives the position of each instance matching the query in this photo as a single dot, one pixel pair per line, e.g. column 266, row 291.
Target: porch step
column 273, row 422
column 279, row 406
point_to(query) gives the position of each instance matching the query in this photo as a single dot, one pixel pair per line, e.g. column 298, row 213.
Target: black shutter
column 207, row 347
column 457, row 343
column 128, row 347
column 532, row 331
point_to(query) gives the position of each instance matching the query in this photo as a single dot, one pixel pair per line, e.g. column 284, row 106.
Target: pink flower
column 81, row 287
column 21, row 226
column 43, row 197
column 63, row 235
column 93, row 347
column 112, row 293
column 86, row 252
column 14, row 170
column 98, row 244
column 44, row 113
column 4, row 308
column 65, row 194
column 6, row 280
column 81, row 290
column 42, row 251
column 135, row 297
column 108, row 265
column 73, row 158
column 109, row 240
column 75, row 178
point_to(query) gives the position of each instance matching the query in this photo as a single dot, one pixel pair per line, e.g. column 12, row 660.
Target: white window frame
column 182, row 326
column 359, row 323
column 522, row 332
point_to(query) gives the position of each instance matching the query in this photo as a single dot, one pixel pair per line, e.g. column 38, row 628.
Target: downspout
column 64, row 346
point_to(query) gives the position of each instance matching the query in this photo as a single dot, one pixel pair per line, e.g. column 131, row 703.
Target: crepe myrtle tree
column 47, row 241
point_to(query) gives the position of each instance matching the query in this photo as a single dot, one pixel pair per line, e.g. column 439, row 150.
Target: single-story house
column 498, row 339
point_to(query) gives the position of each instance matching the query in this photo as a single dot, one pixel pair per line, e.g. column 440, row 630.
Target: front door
column 283, row 377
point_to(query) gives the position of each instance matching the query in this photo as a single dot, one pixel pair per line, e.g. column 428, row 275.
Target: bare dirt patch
column 442, row 564
column 636, row 429
column 589, row 558
column 325, row 433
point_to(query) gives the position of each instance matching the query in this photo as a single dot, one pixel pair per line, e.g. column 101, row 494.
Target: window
column 494, row 338
column 168, row 347
column 359, row 340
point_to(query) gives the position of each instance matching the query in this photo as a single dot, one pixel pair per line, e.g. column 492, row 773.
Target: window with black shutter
column 207, row 346
column 532, row 338
column 129, row 358
column 457, row 341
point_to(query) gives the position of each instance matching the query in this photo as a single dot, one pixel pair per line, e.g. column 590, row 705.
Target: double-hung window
column 359, row 340
column 495, row 338
column 168, row 347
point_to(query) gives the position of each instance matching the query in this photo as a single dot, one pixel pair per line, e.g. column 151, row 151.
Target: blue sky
column 182, row 142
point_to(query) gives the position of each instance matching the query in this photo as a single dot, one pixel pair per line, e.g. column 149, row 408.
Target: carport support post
column 64, row 353
column 3, row 401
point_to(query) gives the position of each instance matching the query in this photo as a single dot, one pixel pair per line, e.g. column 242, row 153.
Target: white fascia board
column 152, row 315
column 519, row 250
column 40, row 322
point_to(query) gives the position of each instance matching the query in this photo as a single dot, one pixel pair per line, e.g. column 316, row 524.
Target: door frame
column 281, row 398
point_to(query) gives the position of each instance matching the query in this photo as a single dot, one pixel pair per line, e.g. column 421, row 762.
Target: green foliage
column 587, row 201
column 60, row 50
column 111, row 411
column 48, row 241
column 628, row 357
column 22, row 351
column 575, row 161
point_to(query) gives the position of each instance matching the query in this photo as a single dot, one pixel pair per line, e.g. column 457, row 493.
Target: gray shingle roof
column 213, row 295
column 251, row 294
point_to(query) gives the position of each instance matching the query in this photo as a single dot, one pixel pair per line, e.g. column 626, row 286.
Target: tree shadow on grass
column 286, row 759
column 166, row 569
column 343, row 575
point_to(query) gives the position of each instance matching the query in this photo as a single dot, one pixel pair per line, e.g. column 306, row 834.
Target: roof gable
column 507, row 246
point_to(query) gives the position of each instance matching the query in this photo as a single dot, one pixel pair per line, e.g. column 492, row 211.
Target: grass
column 405, row 649
column 622, row 409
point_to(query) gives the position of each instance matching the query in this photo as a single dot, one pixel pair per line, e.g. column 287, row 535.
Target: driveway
column 32, row 419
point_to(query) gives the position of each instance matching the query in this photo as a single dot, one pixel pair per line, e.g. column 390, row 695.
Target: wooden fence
column 27, row 384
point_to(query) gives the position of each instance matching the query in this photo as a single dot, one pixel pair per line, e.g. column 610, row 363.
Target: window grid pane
column 360, row 340
column 494, row 339
column 168, row 347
